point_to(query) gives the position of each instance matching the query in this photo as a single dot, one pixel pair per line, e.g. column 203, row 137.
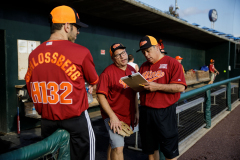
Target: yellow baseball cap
column 66, row 14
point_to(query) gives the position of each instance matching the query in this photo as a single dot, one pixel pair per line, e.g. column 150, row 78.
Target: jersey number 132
column 48, row 93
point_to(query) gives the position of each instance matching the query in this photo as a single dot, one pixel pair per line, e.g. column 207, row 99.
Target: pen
column 141, row 85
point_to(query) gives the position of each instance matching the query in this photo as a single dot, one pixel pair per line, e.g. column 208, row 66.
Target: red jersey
column 56, row 76
column 165, row 71
column 120, row 97
column 211, row 68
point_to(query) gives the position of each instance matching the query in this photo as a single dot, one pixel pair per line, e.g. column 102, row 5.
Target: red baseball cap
column 66, row 14
column 178, row 58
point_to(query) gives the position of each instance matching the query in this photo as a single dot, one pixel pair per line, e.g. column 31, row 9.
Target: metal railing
column 218, row 97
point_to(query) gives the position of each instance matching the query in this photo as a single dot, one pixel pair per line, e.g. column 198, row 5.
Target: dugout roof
column 136, row 14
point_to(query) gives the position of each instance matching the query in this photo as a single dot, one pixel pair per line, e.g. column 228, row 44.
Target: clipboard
column 134, row 81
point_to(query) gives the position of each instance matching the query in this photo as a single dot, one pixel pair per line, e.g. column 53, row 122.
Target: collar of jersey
column 158, row 60
column 56, row 40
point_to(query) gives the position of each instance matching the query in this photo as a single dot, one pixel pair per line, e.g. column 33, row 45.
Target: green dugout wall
column 224, row 55
column 32, row 24
column 235, row 69
column 3, row 107
column 220, row 53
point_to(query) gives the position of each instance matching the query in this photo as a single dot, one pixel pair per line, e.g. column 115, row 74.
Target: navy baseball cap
column 114, row 47
column 147, row 42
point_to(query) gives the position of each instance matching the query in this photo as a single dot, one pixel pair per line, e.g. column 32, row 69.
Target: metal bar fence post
column 228, row 89
column 207, row 109
column 239, row 89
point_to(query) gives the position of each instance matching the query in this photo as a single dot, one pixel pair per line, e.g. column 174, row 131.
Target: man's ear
column 67, row 27
column 158, row 47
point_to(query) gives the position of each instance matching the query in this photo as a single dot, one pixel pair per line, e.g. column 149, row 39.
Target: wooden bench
column 214, row 94
column 196, row 77
column 188, row 105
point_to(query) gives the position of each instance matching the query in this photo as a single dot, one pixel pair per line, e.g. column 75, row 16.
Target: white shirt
column 132, row 64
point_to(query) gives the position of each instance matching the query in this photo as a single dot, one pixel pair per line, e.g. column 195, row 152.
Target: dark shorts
column 158, row 128
column 82, row 137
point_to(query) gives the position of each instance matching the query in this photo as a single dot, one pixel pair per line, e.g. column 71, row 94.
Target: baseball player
column 57, row 71
column 179, row 59
column 212, row 72
column 117, row 100
column 157, row 117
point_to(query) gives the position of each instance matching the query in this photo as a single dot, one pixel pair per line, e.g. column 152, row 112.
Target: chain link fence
column 190, row 116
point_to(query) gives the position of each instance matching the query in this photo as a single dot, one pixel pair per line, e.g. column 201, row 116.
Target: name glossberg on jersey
column 55, row 58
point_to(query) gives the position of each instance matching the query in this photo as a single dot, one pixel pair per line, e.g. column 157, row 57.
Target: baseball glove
column 126, row 130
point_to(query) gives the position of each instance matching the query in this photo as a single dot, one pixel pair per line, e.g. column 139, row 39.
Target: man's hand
column 151, row 86
column 90, row 88
column 115, row 124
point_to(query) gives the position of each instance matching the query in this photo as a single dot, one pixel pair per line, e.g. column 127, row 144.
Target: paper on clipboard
column 134, row 81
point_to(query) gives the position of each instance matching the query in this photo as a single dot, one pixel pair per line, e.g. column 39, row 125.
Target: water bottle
column 34, row 110
column 90, row 98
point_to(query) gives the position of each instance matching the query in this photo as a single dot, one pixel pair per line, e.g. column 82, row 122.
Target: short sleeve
column 28, row 78
column 102, row 86
column 141, row 68
column 89, row 71
column 177, row 75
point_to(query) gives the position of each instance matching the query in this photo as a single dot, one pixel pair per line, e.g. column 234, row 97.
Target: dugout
column 110, row 21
